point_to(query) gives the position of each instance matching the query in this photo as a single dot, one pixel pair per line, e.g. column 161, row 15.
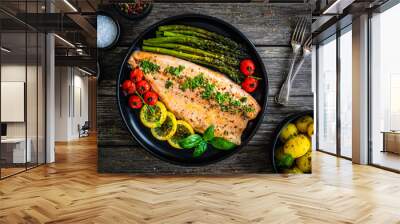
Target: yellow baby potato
column 310, row 129
column 294, row 170
column 287, row 132
column 297, row 146
column 304, row 162
column 303, row 122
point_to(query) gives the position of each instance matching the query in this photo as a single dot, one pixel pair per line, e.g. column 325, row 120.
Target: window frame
column 337, row 35
column 380, row 9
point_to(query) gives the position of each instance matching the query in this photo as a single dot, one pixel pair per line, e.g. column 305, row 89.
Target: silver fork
column 296, row 42
column 306, row 53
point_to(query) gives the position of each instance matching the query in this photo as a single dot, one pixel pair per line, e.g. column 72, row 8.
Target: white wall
column 62, row 81
column 71, row 102
column 17, row 73
column 33, row 126
column 80, row 108
column 14, row 73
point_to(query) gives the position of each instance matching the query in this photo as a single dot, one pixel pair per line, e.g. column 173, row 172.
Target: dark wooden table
column 268, row 26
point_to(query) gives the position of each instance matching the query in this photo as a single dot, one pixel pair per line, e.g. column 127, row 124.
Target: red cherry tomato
column 136, row 75
column 150, row 98
column 135, row 102
column 249, row 84
column 129, row 87
column 142, row 86
column 247, row 67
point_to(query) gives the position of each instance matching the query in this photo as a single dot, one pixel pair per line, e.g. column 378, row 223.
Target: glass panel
column 22, row 88
column 327, row 96
column 346, row 94
column 13, row 90
column 385, row 89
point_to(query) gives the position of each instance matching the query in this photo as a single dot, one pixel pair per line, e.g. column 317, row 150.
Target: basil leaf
column 209, row 133
column 220, row 143
column 200, row 149
column 191, row 141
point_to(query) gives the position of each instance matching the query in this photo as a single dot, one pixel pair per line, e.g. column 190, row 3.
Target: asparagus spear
column 191, row 33
column 183, row 55
column 196, row 42
column 159, row 34
column 212, row 62
column 231, row 72
column 218, row 45
column 229, row 60
column 207, row 33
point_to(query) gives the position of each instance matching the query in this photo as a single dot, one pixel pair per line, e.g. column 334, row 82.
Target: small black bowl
column 277, row 142
column 144, row 13
column 103, row 13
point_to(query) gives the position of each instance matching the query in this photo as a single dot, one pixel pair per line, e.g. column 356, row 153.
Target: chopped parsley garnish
column 225, row 101
column 248, row 109
column 197, row 81
column 168, row 84
column 235, row 103
column 208, row 92
column 148, row 67
column 193, row 83
column 175, row 71
column 186, row 84
column 221, row 98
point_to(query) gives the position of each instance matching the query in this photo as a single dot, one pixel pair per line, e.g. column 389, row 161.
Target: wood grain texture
column 262, row 23
column 71, row 191
column 268, row 26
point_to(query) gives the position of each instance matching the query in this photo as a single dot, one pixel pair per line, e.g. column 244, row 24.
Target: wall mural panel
column 268, row 26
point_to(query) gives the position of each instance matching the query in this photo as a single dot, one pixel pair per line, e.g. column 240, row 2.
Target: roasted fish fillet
column 186, row 93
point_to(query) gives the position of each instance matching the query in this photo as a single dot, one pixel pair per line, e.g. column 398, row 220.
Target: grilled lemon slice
column 167, row 129
column 153, row 116
column 183, row 130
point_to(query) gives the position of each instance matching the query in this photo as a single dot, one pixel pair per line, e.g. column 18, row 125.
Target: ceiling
column 34, row 6
column 72, row 20
column 337, row 14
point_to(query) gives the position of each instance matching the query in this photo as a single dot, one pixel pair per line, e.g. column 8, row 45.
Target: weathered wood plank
column 122, row 159
column 263, row 24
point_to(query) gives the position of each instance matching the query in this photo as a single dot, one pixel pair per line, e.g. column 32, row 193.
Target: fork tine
column 303, row 30
column 301, row 22
column 294, row 33
column 299, row 30
column 308, row 42
column 296, row 30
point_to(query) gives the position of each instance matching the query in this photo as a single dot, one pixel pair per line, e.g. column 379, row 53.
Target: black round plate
column 276, row 143
column 162, row 149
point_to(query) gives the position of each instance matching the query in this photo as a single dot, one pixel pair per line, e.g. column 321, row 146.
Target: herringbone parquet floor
column 71, row 191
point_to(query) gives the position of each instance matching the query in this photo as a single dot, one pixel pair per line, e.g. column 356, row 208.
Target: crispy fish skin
column 188, row 105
